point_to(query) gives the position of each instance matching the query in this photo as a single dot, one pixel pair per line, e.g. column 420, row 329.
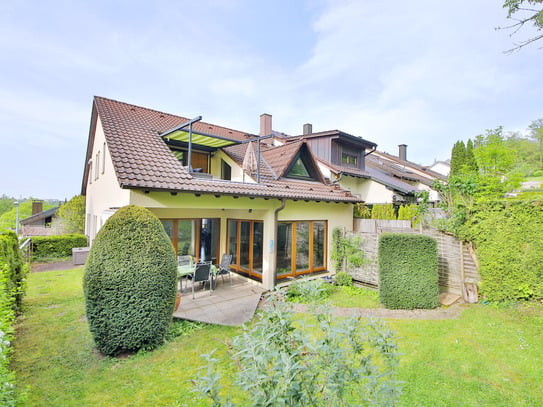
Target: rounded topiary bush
column 343, row 279
column 130, row 282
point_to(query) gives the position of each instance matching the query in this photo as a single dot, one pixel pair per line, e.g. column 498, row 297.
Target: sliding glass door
column 301, row 248
column 195, row 237
column 245, row 243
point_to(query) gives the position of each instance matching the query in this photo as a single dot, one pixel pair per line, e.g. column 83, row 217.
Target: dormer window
column 302, row 167
column 349, row 159
column 298, row 169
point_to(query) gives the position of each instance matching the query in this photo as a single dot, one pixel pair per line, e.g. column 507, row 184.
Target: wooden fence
column 457, row 265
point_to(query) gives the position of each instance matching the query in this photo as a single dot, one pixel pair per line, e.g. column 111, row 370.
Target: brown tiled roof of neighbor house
column 142, row 160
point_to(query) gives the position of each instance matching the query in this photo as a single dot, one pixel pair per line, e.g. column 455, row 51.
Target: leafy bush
column 383, row 211
column 343, row 279
column 408, row 276
column 56, row 246
column 13, row 272
column 305, row 290
column 350, row 361
column 130, row 282
column 509, row 238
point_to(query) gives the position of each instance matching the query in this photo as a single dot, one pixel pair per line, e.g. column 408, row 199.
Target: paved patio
column 228, row 305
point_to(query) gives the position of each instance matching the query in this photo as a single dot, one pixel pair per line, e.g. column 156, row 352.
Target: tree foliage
column 130, row 282
column 524, row 12
column 342, row 362
column 72, row 215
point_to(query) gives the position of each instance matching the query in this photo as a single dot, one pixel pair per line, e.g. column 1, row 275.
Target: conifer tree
column 458, row 158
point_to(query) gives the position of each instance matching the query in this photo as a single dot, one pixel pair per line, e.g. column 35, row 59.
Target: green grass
column 488, row 356
column 354, row 297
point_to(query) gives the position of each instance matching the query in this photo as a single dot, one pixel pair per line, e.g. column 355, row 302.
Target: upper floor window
column 349, row 159
column 97, row 166
column 226, row 171
column 104, row 159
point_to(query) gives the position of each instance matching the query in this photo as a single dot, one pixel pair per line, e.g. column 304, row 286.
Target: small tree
column 130, row 282
column 72, row 215
column 350, row 362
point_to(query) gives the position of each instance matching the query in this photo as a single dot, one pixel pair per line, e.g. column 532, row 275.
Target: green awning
column 200, row 139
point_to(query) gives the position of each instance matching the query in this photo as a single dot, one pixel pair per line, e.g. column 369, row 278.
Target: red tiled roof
column 142, row 160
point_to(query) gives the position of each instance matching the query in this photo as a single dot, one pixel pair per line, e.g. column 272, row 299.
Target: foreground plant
column 351, row 362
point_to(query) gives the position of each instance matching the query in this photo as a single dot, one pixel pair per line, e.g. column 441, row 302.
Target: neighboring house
column 41, row 223
column 216, row 190
column 441, row 167
column 399, row 168
column 373, row 176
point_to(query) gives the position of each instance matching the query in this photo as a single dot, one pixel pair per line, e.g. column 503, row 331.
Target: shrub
column 339, row 362
column 305, row 290
column 13, row 267
column 408, row 276
column 56, row 246
column 13, row 272
column 509, row 238
column 343, row 279
column 383, row 211
column 130, row 282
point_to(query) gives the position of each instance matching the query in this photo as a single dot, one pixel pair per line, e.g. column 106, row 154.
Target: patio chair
column 184, row 265
column 202, row 274
column 224, row 267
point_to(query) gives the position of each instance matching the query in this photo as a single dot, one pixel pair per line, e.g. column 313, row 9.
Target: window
column 349, row 159
column 245, row 244
column 97, row 166
column 302, row 168
column 195, row 237
column 226, row 171
column 301, row 248
column 104, row 159
column 90, row 171
column 298, row 169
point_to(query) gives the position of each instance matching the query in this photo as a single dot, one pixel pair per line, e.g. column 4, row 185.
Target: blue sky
column 424, row 73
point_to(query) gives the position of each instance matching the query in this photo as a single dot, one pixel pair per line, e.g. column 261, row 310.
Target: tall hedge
column 13, row 267
column 130, row 282
column 56, row 246
column 508, row 235
column 13, row 272
column 408, row 274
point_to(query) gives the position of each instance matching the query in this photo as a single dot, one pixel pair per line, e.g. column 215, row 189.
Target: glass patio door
column 195, row 237
column 245, row 238
column 301, row 248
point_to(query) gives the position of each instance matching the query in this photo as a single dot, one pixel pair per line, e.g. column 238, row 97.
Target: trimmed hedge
column 13, row 271
column 130, row 282
column 509, row 238
column 56, row 246
column 408, row 273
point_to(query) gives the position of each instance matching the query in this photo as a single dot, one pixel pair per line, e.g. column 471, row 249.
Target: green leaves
column 130, row 282
column 336, row 362
column 408, row 273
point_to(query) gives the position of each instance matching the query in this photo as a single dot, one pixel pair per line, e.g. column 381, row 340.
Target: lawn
column 489, row 356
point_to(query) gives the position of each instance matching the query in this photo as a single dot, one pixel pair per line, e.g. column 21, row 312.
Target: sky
column 424, row 73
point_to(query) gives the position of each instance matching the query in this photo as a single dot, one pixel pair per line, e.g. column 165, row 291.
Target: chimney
column 265, row 124
column 37, row 207
column 402, row 152
column 308, row 129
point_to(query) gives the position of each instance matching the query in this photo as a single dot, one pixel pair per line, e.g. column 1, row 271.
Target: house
column 216, row 190
column 41, row 223
column 356, row 165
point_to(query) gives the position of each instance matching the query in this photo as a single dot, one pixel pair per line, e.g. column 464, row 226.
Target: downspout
column 274, row 254
column 372, row 150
